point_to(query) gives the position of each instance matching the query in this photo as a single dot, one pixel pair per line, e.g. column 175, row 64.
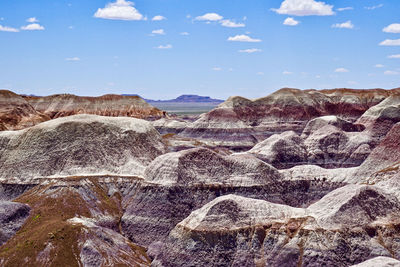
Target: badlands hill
column 240, row 121
column 298, row 178
column 16, row 113
column 19, row 112
column 56, row 106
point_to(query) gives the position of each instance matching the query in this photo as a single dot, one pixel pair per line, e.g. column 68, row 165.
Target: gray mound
column 79, row 145
column 203, row 166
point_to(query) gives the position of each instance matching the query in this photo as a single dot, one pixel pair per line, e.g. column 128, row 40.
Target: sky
column 161, row 49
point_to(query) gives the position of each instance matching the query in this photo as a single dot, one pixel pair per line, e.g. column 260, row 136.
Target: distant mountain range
column 184, row 99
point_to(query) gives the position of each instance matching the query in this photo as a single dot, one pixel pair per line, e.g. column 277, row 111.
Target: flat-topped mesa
column 238, row 231
column 250, row 121
column 80, row 145
column 61, row 105
column 203, row 166
column 16, row 113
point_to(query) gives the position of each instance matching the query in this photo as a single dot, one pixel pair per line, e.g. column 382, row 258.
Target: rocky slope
column 237, row 231
column 56, row 106
column 318, row 186
column 16, row 113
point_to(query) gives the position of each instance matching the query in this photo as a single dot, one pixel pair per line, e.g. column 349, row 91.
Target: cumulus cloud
column 344, row 25
column 119, row 10
column 32, row 27
column 341, row 70
column 390, row 42
column 158, row 18
column 391, row 72
column 379, row 66
column 250, row 50
column 392, row 28
column 159, row 32
column 209, row 17
column 373, row 7
column 394, row 56
column 243, row 38
column 287, row 72
column 32, row 20
column 72, row 59
column 304, row 8
column 7, row 29
column 168, row 46
column 231, row 24
column 291, row 22
column 345, row 8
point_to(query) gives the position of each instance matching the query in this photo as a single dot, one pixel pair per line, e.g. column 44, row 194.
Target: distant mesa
column 184, row 99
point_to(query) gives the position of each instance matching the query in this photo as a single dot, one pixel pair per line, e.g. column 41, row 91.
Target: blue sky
column 217, row 48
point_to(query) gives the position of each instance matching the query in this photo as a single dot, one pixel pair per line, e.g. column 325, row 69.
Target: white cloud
column 32, row 27
column 344, row 25
column 32, row 20
column 159, row 32
column 345, row 8
column 7, row 29
column 168, row 46
column 184, row 33
column 287, row 72
column 391, row 72
column 341, row 70
column 72, row 59
column 210, row 17
column 216, row 69
column 373, row 7
column 291, row 22
column 305, row 8
column 158, row 18
column 243, row 38
column 394, row 56
column 392, row 28
column 231, row 24
column 390, row 42
column 119, row 10
column 250, row 50
column 379, row 66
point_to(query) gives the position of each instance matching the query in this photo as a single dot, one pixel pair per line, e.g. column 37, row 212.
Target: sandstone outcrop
column 79, row 145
